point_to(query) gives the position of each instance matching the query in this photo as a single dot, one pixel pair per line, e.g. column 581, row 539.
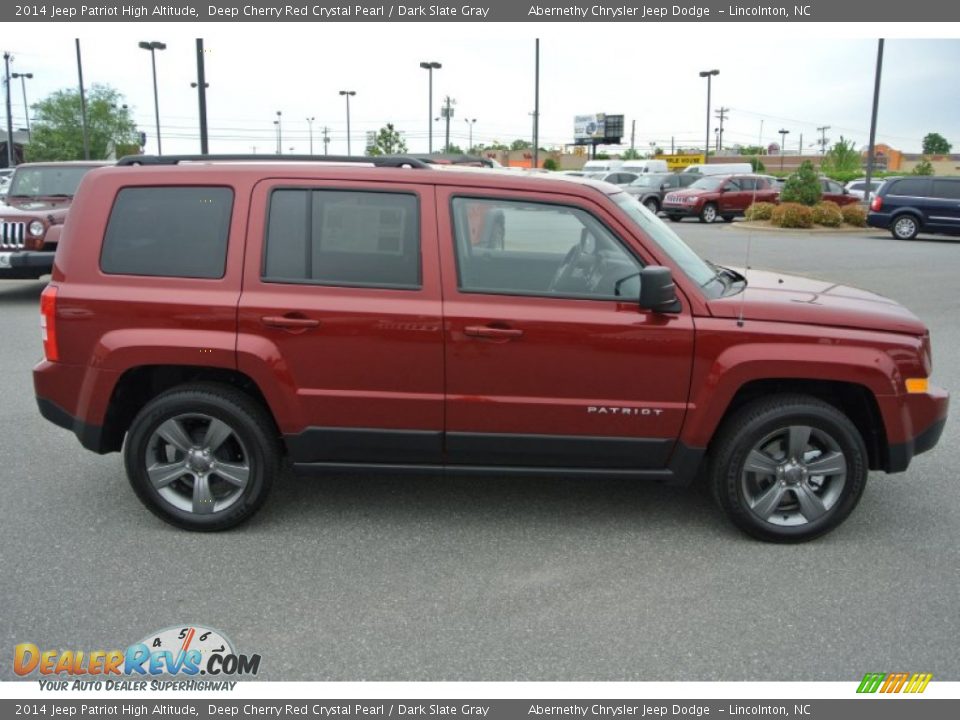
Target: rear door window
column 168, row 232
column 946, row 189
column 343, row 237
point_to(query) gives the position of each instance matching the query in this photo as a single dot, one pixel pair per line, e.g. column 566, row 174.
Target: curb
column 747, row 225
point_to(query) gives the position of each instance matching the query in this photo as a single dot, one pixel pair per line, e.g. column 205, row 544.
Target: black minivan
column 910, row 205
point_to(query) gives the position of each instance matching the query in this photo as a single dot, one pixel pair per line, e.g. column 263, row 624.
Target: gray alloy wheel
column 709, row 213
column 197, row 463
column 905, row 227
column 652, row 205
column 793, row 476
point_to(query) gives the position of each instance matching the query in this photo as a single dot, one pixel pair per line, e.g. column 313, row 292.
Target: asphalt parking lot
column 422, row 579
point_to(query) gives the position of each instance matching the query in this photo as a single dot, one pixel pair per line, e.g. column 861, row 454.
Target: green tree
column 753, row 150
column 497, row 145
column 923, row 168
column 842, row 157
column 388, row 141
column 757, row 164
column 452, row 149
column 803, row 186
column 57, row 131
column 935, row 144
column 630, row 154
column 520, row 144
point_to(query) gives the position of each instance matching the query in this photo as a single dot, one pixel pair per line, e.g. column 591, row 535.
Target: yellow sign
column 679, row 162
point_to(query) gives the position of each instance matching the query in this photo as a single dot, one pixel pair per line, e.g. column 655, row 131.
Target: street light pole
column 279, row 133
column 310, row 124
column 783, row 144
column 26, row 109
column 470, row 122
column 430, row 66
column 348, row 94
column 7, row 57
column 708, row 74
column 153, row 46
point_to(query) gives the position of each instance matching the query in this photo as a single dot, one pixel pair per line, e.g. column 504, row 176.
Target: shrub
column 803, row 186
column 757, row 165
column 550, row 164
column 792, row 215
column 854, row 215
column 759, row 211
column 827, row 213
column 924, row 167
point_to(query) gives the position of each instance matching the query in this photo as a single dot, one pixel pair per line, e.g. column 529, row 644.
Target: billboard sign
column 679, row 162
column 589, row 127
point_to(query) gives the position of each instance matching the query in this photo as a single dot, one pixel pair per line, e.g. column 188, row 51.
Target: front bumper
column 25, row 264
column 681, row 210
column 926, row 413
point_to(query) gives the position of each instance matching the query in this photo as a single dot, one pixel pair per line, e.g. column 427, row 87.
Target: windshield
column 693, row 266
column 47, row 180
column 707, row 183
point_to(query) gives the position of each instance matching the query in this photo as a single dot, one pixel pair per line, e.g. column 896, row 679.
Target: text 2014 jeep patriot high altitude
column 214, row 319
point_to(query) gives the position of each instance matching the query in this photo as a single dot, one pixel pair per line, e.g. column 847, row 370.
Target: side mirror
column 657, row 290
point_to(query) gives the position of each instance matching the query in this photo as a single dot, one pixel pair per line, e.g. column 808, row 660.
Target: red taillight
column 48, row 323
column 876, row 203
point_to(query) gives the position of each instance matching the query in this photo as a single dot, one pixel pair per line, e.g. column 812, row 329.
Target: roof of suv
column 377, row 169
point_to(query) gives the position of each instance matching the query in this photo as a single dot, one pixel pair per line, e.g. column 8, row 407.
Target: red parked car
column 719, row 196
column 212, row 320
column 36, row 204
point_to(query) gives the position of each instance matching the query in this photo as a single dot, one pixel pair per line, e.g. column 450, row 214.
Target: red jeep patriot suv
column 215, row 319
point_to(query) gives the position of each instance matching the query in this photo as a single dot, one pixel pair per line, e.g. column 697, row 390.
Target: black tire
column 761, row 419
column 252, row 431
column 675, row 218
column 728, row 218
column 709, row 213
column 652, row 204
column 905, row 227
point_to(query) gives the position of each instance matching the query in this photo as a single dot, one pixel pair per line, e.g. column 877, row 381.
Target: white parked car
column 857, row 188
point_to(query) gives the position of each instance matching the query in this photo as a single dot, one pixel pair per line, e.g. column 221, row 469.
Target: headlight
column 36, row 228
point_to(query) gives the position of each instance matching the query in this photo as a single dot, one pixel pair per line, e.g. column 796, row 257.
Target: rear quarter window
column 915, row 187
column 946, row 189
column 168, row 232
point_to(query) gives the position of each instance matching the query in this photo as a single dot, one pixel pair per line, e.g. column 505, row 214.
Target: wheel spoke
column 768, row 501
column 811, row 506
column 234, row 474
column 760, row 462
column 162, row 474
column 202, row 497
column 797, row 443
column 174, row 433
column 830, row 463
column 217, row 432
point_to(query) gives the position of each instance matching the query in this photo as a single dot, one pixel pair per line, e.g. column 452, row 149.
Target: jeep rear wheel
column 788, row 468
column 202, row 457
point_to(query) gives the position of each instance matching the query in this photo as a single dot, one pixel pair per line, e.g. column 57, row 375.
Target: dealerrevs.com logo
column 181, row 651
column 894, row 682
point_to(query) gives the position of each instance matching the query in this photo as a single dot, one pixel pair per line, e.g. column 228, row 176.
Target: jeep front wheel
column 202, row 457
column 788, row 468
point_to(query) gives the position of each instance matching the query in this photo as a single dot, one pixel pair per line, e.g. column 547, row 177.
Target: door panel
column 348, row 319
column 579, row 382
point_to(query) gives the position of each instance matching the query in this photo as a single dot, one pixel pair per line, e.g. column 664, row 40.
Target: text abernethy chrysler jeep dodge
column 213, row 319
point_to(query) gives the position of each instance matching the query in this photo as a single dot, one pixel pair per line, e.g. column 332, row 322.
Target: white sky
column 795, row 77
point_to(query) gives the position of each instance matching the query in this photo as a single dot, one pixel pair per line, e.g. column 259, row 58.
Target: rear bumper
column 878, row 220
column 928, row 413
column 90, row 436
column 25, row 264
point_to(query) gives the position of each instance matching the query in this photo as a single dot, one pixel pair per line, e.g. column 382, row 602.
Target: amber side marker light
column 917, row 385
column 48, row 323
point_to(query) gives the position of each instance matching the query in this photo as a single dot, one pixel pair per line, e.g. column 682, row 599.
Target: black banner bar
column 483, row 11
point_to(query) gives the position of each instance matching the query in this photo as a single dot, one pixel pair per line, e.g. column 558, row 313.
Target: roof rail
column 394, row 161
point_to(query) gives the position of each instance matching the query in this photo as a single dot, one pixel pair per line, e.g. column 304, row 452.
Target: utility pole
column 873, row 120
column 801, row 145
column 310, row 123
column 201, row 86
column 721, row 115
column 447, row 112
column 823, row 138
column 26, row 108
column 633, row 134
column 7, row 57
column 536, row 104
column 783, row 144
column 673, row 149
column 326, row 138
